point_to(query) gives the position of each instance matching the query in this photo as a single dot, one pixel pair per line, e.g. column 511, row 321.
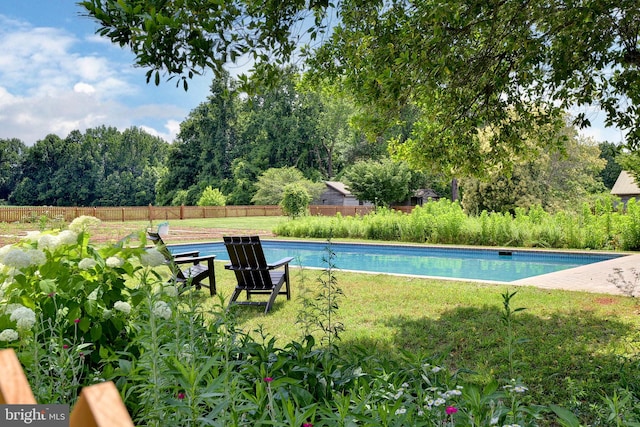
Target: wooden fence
column 164, row 213
column 99, row 405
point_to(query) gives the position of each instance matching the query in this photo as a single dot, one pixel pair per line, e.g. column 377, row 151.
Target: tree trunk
column 454, row 189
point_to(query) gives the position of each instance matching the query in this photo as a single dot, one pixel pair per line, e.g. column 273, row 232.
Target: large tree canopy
column 468, row 64
column 184, row 37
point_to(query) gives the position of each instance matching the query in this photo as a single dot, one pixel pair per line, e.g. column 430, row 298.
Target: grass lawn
column 576, row 342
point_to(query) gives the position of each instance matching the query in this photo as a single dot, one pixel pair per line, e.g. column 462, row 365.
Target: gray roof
column 338, row 186
column 625, row 185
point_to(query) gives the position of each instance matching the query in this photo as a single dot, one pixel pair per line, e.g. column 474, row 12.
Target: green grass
column 580, row 345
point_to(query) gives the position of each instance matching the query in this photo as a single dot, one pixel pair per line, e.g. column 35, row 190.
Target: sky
column 57, row 75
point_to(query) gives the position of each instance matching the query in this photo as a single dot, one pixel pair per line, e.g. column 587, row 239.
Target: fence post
column 14, row 387
column 181, row 211
column 100, row 405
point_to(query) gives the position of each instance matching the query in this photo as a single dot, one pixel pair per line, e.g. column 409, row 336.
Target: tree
column 295, row 200
column 204, row 148
column 271, row 185
column 612, row 169
column 11, row 153
column 467, row 64
column 553, row 180
column 100, row 167
column 212, row 197
column 380, row 182
column 182, row 38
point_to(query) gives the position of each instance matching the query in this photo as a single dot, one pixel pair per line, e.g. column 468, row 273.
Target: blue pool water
column 475, row 264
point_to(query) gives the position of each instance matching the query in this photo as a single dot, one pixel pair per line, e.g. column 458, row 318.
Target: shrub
column 212, row 197
column 295, row 200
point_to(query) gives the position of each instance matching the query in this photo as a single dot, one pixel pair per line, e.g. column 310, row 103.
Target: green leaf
column 96, row 331
column 565, row 417
column 48, row 286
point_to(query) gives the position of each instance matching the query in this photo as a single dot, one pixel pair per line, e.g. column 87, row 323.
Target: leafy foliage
column 212, row 197
column 183, row 38
column 599, row 226
column 271, row 185
column 295, row 200
column 382, row 183
column 553, row 180
column 507, row 67
column 103, row 167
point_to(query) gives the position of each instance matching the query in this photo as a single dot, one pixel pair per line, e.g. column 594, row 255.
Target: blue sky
column 57, row 75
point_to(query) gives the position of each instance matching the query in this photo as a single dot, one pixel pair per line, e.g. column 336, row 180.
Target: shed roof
column 625, row 185
column 338, row 186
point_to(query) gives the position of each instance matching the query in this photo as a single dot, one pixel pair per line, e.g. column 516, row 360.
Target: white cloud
column 84, row 88
column 54, row 82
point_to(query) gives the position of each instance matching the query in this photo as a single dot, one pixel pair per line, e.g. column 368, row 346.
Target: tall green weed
column 599, row 225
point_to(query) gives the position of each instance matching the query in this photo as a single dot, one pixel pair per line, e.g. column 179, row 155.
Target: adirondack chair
column 253, row 274
column 200, row 268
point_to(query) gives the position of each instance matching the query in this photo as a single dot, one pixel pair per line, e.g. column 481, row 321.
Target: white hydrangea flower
column 162, row 310
column 123, row 307
column 4, row 250
column 37, row 257
column 68, row 237
column 152, row 258
column 32, row 236
column 16, row 258
column 48, row 241
column 171, row 290
column 24, row 317
column 87, row 264
column 8, row 335
column 114, row 262
column 83, row 222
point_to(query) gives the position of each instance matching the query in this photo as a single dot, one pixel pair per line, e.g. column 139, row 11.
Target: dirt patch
column 605, row 301
column 112, row 232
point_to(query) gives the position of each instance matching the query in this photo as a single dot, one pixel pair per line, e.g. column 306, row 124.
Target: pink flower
column 65, row 346
column 451, row 410
column 307, row 425
column 51, row 295
column 268, row 379
column 181, row 395
column 76, row 321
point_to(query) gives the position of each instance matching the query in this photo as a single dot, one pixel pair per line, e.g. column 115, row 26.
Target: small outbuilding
column 337, row 194
column 626, row 187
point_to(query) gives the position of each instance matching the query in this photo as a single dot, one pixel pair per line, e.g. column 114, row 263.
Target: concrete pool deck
column 588, row 278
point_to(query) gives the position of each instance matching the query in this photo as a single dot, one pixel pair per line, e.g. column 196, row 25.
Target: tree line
column 248, row 147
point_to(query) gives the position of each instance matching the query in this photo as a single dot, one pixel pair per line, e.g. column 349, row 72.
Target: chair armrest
column 280, row 263
column 194, row 259
column 185, row 254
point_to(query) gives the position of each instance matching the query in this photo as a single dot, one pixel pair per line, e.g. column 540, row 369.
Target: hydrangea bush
column 58, row 278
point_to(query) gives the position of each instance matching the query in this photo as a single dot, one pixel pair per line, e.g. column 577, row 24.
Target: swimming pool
column 493, row 265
